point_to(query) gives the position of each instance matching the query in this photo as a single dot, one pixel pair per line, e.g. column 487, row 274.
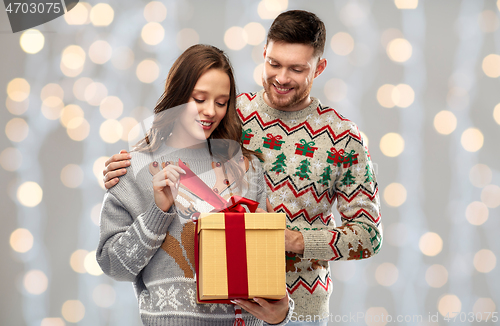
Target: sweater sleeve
column 356, row 191
column 127, row 244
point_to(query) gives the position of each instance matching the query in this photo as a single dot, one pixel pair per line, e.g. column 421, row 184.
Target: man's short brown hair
column 299, row 26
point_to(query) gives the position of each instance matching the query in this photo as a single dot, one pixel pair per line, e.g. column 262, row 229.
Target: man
column 313, row 155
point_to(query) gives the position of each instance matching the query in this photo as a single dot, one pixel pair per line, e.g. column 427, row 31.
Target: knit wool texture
column 314, row 157
column 140, row 243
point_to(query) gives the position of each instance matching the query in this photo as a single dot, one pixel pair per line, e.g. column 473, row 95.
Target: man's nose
column 282, row 76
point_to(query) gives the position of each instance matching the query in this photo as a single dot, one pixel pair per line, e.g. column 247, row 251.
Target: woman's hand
column 166, row 185
column 272, row 312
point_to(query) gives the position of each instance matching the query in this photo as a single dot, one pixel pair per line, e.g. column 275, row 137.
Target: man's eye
column 198, row 101
column 273, row 65
column 297, row 70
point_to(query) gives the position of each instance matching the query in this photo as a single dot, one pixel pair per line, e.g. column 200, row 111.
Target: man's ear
column 264, row 53
column 320, row 67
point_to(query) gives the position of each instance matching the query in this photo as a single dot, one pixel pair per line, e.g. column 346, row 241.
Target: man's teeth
column 206, row 124
column 282, row 89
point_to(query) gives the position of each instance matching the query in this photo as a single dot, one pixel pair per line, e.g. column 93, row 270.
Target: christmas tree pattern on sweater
column 315, row 158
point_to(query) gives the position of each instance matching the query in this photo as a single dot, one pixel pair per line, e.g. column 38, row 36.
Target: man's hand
column 272, row 312
column 294, row 241
column 115, row 167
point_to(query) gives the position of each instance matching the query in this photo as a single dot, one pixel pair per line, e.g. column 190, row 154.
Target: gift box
column 238, row 254
column 241, row 255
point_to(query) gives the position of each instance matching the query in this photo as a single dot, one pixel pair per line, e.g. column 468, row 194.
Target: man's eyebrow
column 295, row 65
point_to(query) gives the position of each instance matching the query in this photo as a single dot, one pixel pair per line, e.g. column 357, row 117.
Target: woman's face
column 206, row 108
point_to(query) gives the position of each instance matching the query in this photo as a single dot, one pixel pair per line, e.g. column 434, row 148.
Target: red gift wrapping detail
column 235, row 234
column 236, row 255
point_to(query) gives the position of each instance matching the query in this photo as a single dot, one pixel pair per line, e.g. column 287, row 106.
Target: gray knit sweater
column 153, row 249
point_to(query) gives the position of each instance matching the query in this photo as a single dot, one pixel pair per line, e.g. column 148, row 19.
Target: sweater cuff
column 316, row 245
column 291, row 306
column 157, row 221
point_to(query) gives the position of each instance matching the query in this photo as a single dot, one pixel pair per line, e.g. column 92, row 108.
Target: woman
column 146, row 220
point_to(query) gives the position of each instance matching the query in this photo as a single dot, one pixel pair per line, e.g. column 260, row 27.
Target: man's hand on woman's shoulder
column 115, row 167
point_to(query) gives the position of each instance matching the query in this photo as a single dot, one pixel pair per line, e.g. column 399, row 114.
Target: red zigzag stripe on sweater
column 303, row 124
column 360, row 212
column 353, row 195
column 302, row 192
column 312, row 288
column 306, row 215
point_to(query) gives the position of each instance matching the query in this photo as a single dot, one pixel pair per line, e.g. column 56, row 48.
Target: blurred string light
column 95, row 213
column 388, row 35
column 70, row 112
column 102, row 14
column 406, row 4
column 445, row 122
column 72, row 175
column 147, row 71
column 72, row 61
column 335, row 89
column 35, row 282
column 430, row 244
column 52, row 96
column 111, row 131
column 484, row 306
column 32, row 41
column 80, row 86
column 78, row 129
column 17, row 130
column 436, row 276
column 155, row 11
column 496, row 113
column 17, row 108
column 79, row 15
column 366, row 141
column 476, row 213
column 472, row 139
column 21, row 240
column 18, row 89
column 392, row 144
column 485, row 261
column 95, row 92
column 77, row 259
column 11, row 159
column 257, row 74
column 73, row 311
column 255, row 32
column 480, row 175
column 152, row 33
column 111, row 107
column 490, row 196
column 129, row 132
column 100, row 52
column 399, row 50
column 54, row 321
column 29, row 194
column 373, row 316
column 449, row 305
column 235, row 38
column 342, row 43
column 401, row 95
column 91, row 265
column 491, row 65
column 270, row 9
column 395, row 194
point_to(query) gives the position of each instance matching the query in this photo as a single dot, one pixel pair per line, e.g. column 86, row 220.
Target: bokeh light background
column 420, row 78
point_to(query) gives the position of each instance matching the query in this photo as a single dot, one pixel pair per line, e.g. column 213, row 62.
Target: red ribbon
column 237, row 275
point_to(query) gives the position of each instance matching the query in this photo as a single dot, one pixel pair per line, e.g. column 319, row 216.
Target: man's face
column 289, row 70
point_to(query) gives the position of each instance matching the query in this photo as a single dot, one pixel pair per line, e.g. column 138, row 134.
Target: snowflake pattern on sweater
column 314, row 157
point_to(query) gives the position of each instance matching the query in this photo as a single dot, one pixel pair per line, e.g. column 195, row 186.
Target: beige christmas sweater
column 315, row 158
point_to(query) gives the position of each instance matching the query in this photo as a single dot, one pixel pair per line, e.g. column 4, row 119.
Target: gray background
column 446, row 39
